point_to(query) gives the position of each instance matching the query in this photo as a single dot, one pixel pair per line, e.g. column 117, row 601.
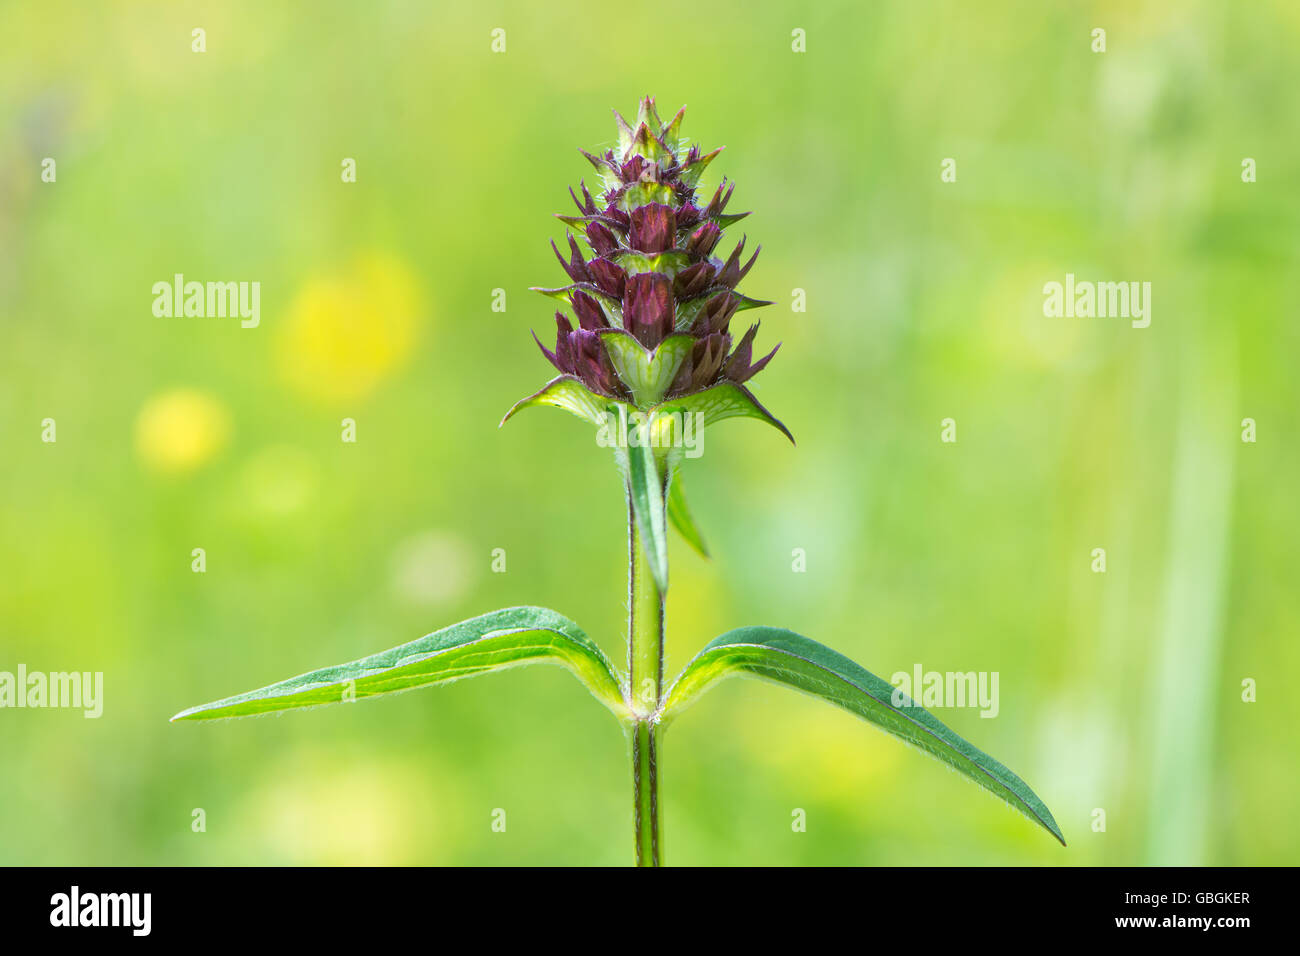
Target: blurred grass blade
column 783, row 657
column 647, row 492
column 680, row 515
column 495, row 641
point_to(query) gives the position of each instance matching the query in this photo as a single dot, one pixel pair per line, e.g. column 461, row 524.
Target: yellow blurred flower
column 345, row 333
column 180, row 430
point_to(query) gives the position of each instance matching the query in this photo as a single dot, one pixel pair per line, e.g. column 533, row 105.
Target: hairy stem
column 645, row 665
column 645, row 787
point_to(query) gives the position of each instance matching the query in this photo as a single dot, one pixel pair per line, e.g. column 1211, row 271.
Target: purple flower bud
column 648, row 307
column 609, row 278
column 654, row 228
column 601, row 239
column 739, row 368
column 731, row 272
column 576, row 267
column 693, row 281
column 590, row 316
column 703, row 239
column 588, row 205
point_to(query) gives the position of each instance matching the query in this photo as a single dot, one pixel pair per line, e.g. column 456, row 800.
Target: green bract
column 651, row 359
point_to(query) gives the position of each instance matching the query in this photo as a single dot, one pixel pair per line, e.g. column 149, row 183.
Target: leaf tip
column 510, row 413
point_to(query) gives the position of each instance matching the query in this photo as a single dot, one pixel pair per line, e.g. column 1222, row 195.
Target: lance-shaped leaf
column 639, row 465
column 725, row 400
column 783, row 657
column 680, row 515
column 506, row 638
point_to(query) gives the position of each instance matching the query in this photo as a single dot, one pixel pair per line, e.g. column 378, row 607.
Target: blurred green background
column 1119, row 691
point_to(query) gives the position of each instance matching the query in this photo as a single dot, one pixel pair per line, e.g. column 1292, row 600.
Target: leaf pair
column 525, row 635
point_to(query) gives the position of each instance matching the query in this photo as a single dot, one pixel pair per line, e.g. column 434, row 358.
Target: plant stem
column 645, row 787
column 645, row 665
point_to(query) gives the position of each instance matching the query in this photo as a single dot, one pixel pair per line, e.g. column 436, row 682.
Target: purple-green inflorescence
column 651, row 298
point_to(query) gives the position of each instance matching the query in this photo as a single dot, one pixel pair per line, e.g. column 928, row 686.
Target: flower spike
column 652, row 272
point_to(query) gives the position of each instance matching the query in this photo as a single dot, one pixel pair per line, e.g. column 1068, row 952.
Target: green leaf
column 565, row 294
column 680, row 515
column 625, row 134
column 744, row 302
column 668, row 263
column 642, row 471
column 641, row 193
column 647, row 374
column 491, row 642
column 689, row 311
column 568, row 393
column 726, row 400
column 783, row 657
column 579, row 225
column 646, row 113
column 645, row 143
column 729, row 218
column 672, row 133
